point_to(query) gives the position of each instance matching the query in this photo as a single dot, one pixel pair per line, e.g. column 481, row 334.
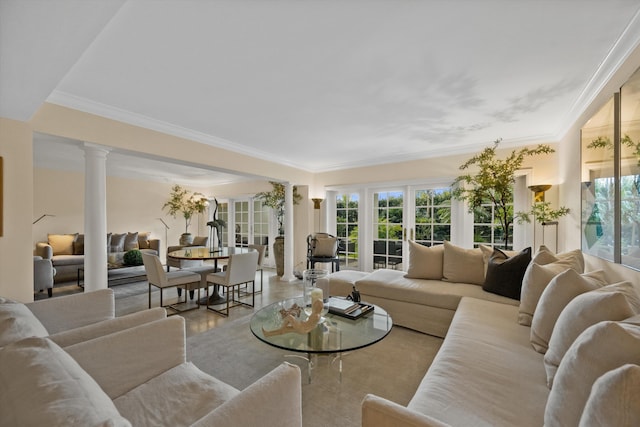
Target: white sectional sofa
column 566, row 354
column 62, row 367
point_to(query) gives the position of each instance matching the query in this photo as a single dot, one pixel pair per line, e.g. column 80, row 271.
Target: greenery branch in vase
column 493, row 182
column 275, row 200
column 186, row 203
column 542, row 213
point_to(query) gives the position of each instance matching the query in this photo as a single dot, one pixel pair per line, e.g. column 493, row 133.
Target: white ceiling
column 321, row 85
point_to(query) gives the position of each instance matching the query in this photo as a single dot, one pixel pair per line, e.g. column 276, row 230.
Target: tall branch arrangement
column 275, row 200
column 493, row 181
column 184, row 202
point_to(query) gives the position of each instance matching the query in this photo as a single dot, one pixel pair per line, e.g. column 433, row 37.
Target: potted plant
column 275, row 200
column 493, row 182
column 184, row 202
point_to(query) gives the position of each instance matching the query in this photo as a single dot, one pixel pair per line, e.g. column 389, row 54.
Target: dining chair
column 241, row 269
column 261, row 250
column 158, row 277
column 323, row 248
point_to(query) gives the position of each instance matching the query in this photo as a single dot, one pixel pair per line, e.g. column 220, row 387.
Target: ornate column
column 288, row 233
column 95, row 217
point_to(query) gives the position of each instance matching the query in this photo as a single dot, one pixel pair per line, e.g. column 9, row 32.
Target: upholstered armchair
column 199, row 241
column 43, row 273
column 323, row 248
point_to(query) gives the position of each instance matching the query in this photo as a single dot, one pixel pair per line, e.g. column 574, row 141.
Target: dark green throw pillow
column 505, row 274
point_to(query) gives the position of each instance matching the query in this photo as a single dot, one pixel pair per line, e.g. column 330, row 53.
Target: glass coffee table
column 334, row 335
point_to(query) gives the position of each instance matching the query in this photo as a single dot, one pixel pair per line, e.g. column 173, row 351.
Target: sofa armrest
column 380, row 412
column 155, row 245
column 44, row 250
column 86, row 333
column 73, row 311
column 42, row 274
column 121, row 361
column 275, row 400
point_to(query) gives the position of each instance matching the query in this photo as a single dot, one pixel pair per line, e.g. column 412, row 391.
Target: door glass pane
column 433, row 216
column 242, row 223
column 261, row 225
column 598, row 190
column 223, row 214
column 387, row 247
column 347, row 230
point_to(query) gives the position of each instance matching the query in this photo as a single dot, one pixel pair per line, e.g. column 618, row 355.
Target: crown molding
column 107, row 111
column 628, row 41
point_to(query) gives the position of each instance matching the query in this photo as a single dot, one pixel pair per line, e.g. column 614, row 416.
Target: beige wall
column 16, row 263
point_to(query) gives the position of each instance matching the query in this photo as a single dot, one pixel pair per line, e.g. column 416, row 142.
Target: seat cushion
column 485, row 373
column 179, row 396
column 18, row 322
column 62, row 260
column 392, row 285
column 41, row 385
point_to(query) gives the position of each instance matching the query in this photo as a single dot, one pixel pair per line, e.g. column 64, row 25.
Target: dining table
column 209, row 254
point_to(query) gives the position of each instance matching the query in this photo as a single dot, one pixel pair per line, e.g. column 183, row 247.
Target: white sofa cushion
column 613, row 302
column 560, row 291
column 425, row 262
column 546, row 256
column 599, row 349
column 613, row 401
column 485, row 373
column 18, row 322
column 180, row 396
column 462, row 265
column 41, row 385
column 537, row 277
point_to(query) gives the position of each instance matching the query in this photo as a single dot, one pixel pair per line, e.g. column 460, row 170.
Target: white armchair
column 43, row 273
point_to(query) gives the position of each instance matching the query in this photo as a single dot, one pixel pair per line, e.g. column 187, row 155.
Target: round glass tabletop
column 333, row 334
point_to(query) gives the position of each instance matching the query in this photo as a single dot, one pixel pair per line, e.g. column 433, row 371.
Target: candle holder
column 312, row 291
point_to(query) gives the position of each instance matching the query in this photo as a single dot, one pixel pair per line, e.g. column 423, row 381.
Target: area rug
column 391, row 368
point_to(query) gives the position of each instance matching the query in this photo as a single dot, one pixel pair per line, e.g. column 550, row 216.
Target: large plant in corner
column 185, row 203
column 275, row 200
column 493, row 181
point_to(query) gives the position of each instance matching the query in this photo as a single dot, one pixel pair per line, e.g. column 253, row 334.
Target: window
column 388, row 222
column 487, row 228
column 433, row 216
column 347, row 228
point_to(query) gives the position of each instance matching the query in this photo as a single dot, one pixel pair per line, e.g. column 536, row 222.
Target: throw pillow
column 425, row 262
column 560, row 291
column 546, row 256
column 613, row 302
column 62, row 244
column 143, row 240
column 78, row 245
column 109, row 242
column 324, row 247
column 535, row 280
column 613, row 401
column 598, row 350
column 487, row 252
column 462, row 265
column 117, row 242
column 131, row 241
column 504, row 273
column 41, row 384
column 18, row 322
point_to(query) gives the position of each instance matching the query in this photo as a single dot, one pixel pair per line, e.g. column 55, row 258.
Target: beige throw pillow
column 560, row 291
column 545, row 256
column 535, row 280
column 425, row 262
column 613, row 401
column 613, row 302
column 325, row 247
column 462, row 265
column 62, row 244
column 599, row 349
column 143, row 240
